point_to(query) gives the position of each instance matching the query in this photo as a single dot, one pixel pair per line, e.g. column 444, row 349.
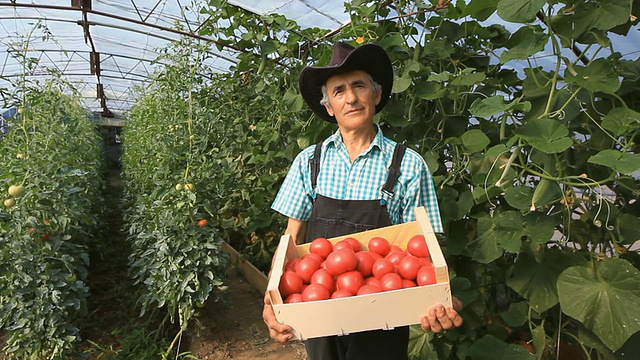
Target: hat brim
column 370, row 58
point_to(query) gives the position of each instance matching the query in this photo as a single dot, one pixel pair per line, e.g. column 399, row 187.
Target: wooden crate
column 384, row 310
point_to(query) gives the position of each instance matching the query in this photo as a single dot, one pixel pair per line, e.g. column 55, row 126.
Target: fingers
column 440, row 318
column 277, row 331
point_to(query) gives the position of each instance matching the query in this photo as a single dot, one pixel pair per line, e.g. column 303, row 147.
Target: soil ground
column 236, row 330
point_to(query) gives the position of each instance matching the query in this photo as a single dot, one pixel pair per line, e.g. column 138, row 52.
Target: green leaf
column 495, row 104
column 519, row 197
column 519, row 11
column 484, row 249
column 429, row 90
column 621, row 120
column 525, row 42
column 474, row 141
column 536, row 281
column 468, row 78
column 485, row 107
column 516, row 315
column 487, row 348
column 401, row 84
column 546, row 135
column 612, row 13
column 480, row 9
column 539, row 227
column 605, row 300
column 420, row 346
column 599, row 75
column 621, row 162
column 629, row 228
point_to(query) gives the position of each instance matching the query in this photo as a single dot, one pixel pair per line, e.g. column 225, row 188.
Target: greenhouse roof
column 107, row 48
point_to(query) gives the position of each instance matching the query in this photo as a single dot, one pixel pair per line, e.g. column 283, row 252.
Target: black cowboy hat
column 370, row 58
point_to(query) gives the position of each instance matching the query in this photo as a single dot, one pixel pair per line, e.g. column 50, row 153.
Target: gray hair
column 325, row 97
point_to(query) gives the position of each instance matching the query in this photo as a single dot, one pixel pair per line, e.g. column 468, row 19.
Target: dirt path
column 236, row 330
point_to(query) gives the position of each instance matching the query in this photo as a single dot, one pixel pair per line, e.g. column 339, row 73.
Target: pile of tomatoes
column 348, row 268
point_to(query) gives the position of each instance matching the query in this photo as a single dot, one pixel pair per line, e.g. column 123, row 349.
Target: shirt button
column 351, row 184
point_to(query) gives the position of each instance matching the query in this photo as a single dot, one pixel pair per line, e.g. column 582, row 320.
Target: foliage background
column 536, row 167
column 536, row 170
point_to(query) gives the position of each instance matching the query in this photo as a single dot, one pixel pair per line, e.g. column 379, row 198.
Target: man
column 355, row 180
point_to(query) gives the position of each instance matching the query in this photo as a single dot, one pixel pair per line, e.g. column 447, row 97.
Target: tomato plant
column 52, row 191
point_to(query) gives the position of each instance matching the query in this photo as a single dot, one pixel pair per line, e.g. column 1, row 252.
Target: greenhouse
column 154, row 190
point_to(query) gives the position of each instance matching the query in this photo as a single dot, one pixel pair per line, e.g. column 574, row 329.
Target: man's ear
column 378, row 96
column 329, row 109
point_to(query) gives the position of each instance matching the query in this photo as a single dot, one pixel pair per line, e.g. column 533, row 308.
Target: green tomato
column 16, row 190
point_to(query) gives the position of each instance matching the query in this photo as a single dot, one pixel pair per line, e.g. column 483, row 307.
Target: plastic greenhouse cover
column 128, row 35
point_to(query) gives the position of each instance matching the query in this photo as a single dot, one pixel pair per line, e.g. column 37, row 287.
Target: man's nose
column 350, row 96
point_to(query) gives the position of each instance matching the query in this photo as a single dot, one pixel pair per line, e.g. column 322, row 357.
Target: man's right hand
column 278, row 332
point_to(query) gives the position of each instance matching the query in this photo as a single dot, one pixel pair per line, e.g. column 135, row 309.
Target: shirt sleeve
column 420, row 191
column 294, row 197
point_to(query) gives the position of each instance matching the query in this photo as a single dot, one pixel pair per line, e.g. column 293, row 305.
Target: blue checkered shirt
column 361, row 180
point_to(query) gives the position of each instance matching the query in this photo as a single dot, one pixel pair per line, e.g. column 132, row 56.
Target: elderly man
column 355, row 180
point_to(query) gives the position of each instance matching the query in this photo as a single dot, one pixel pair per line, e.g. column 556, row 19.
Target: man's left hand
column 439, row 318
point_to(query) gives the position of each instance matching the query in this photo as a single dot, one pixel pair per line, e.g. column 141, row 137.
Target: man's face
column 352, row 99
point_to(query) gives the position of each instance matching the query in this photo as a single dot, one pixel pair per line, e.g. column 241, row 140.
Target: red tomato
column 368, row 289
column 408, row 284
column 355, row 244
column 290, row 283
column 394, row 248
column 321, row 246
column 342, row 244
column 426, row 261
column 426, row 275
column 408, row 267
column 390, row 281
column 322, row 277
column 375, row 255
column 365, row 262
column 381, row 267
column 396, row 256
column 350, row 281
column 379, row 245
column 291, row 264
column 340, row 294
column 315, row 292
column 293, row 298
column 315, row 257
column 372, row 280
column 340, row 261
column 306, row 267
column 417, row 246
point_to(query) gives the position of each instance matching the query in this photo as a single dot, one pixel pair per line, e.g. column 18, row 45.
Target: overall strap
column 314, row 164
column 394, row 169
